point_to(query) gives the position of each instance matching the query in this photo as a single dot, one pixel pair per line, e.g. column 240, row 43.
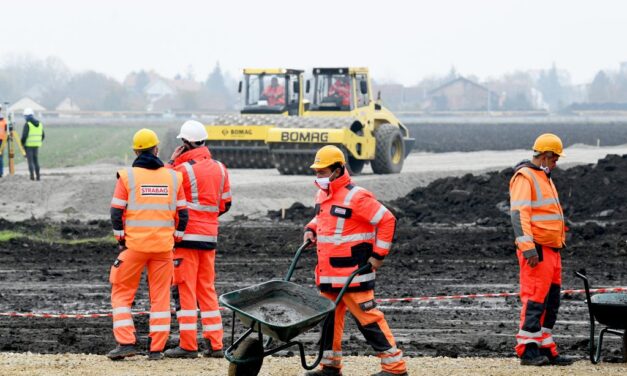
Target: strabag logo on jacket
column 154, row 190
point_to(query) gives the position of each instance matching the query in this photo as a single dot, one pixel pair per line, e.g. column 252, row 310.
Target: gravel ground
column 85, row 365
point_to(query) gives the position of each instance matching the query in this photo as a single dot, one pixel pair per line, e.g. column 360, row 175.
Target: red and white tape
column 385, row 300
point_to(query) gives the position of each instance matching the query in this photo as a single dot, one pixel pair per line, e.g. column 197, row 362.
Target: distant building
column 158, row 89
column 67, row 105
column 26, row 102
column 461, row 94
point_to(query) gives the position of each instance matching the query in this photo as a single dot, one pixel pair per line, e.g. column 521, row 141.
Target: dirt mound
column 586, row 192
column 594, row 191
column 297, row 213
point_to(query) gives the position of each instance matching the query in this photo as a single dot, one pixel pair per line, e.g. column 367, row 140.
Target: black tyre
column 249, row 348
column 354, row 165
column 390, row 150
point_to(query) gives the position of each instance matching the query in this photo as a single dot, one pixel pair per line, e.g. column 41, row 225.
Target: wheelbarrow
column 279, row 310
column 610, row 310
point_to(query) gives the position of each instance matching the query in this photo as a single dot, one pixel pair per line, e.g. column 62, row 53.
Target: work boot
column 325, row 371
column 155, row 355
column 209, row 352
column 533, row 357
column 122, row 351
column 179, row 352
column 556, row 360
column 386, row 373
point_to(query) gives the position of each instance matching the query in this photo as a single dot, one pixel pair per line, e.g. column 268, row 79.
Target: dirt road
column 84, row 192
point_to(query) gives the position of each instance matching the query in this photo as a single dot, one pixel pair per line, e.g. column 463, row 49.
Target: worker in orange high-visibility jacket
column 148, row 213
column 208, row 192
column 3, row 139
column 275, row 93
column 350, row 229
column 538, row 223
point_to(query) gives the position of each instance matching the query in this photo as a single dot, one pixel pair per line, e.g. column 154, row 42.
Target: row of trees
column 49, row 81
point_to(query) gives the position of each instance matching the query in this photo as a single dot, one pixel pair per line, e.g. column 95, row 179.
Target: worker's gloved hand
column 178, row 236
column 376, row 263
column 309, row 236
column 121, row 245
column 533, row 261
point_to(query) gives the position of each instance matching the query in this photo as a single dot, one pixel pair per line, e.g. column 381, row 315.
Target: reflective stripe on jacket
column 207, row 188
column 150, row 199
column 351, row 226
column 536, row 213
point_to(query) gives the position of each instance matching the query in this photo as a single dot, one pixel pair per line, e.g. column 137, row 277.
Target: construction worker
column 342, row 88
column 3, row 139
column 32, row 138
column 275, row 93
column 538, row 223
column 350, row 229
column 208, row 192
column 148, row 213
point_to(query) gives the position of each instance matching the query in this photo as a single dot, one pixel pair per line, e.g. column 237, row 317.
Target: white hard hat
column 28, row 112
column 193, row 131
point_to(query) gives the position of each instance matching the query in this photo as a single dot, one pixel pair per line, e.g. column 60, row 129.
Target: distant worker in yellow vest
column 32, row 138
column 3, row 138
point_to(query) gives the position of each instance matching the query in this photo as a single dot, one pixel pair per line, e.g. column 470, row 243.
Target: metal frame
column 595, row 351
column 228, row 354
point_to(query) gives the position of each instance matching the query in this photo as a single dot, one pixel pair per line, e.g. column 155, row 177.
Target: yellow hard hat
column 145, row 139
column 549, row 142
column 328, row 155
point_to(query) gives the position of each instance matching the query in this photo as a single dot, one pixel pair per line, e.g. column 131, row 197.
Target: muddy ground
column 429, row 259
column 439, row 250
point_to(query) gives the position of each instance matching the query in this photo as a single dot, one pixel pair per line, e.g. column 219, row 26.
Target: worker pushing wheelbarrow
column 353, row 234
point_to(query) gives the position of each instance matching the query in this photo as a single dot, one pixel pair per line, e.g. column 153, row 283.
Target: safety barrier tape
column 385, row 300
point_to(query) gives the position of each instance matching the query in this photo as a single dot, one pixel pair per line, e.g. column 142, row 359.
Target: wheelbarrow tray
column 610, row 309
column 283, row 309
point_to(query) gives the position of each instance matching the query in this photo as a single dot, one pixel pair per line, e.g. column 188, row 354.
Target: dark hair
column 149, row 150
column 337, row 165
column 193, row 144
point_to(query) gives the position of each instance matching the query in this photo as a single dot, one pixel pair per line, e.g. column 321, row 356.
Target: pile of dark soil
column 594, row 191
column 297, row 212
column 586, row 192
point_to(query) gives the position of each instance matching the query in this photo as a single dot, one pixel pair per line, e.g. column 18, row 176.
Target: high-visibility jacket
column 350, row 226
column 536, row 213
column 150, row 199
column 3, row 130
column 35, row 135
column 208, row 191
column 343, row 90
column 275, row 95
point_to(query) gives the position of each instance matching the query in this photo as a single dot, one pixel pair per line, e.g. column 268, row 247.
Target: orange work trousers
column 371, row 323
column 540, row 296
column 125, row 276
column 194, row 287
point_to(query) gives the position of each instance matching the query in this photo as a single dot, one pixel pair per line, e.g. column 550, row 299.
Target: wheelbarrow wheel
column 249, row 348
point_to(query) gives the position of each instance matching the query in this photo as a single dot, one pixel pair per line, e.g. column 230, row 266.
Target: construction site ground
column 56, row 251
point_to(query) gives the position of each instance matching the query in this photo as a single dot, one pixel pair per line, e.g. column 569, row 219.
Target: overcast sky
column 400, row 41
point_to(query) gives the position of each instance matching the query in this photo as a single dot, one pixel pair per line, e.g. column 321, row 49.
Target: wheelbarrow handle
column 295, row 260
column 365, row 267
